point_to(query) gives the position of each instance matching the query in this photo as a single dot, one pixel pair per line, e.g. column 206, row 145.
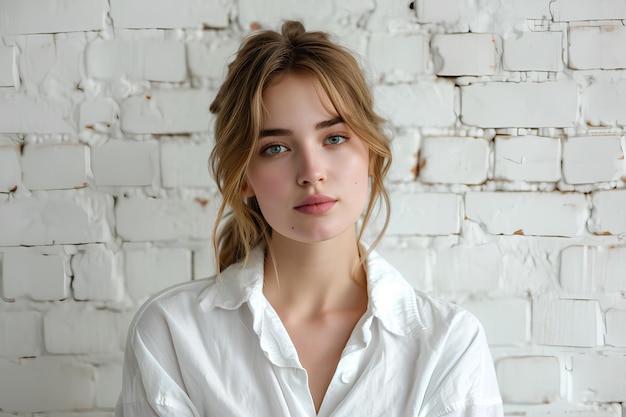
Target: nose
column 311, row 169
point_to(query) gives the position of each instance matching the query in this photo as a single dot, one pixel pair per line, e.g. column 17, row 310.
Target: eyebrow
column 286, row 132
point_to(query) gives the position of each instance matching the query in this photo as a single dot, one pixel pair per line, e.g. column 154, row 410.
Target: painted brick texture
column 508, row 185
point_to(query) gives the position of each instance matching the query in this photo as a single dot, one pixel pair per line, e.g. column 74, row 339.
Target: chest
column 319, row 345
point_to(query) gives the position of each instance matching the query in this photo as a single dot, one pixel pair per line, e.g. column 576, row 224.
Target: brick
column 608, row 215
column 423, row 104
column 528, row 213
column 501, row 104
column 589, row 377
column 506, row 321
column 90, row 414
column 439, row 11
column 413, row 263
column 167, row 111
column 581, row 410
column 204, row 264
column 587, row 160
column 21, row 332
column 464, row 15
column 54, row 166
column 576, row 10
column 149, row 271
column 269, row 13
column 597, row 47
column 185, row 163
column 405, row 153
column 564, row 322
column 56, row 217
column 74, row 329
column 108, row 385
column 146, row 59
column 209, row 58
column 392, row 66
column 425, row 214
column 533, row 51
column 529, row 379
column 615, row 325
column 392, row 17
column 588, row 270
column 10, row 168
column 50, row 62
column 125, row 162
column 97, row 274
column 6, row 66
column 137, row 14
column 527, row 158
column 46, row 383
column 454, row 160
column 464, row 54
column 156, row 219
column 465, row 269
column 98, row 113
column 33, row 16
column 25, row 114
column 604, row 103
column 36, row 273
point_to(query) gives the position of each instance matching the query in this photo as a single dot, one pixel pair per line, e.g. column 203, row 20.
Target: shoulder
column 406, row 310
column 180, row 300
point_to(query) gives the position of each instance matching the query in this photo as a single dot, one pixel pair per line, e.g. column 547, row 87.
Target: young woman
column 303, row 319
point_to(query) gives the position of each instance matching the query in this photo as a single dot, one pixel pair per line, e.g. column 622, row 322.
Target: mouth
column 316, row 204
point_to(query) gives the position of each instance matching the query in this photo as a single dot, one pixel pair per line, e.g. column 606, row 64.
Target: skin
column 304, row 150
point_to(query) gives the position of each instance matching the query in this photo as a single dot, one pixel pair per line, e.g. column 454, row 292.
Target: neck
column 310, row 279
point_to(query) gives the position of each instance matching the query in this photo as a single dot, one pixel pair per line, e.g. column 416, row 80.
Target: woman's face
column 310, row 171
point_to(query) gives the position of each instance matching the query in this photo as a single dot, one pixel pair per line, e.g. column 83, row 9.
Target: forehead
column 295, row 95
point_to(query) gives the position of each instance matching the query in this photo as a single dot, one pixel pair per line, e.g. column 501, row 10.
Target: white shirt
column 217, row 348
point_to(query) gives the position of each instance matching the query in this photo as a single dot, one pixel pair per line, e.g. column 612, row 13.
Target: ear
column 246, row 189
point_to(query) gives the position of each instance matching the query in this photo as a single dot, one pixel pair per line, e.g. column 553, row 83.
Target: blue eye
column 273, row 149
column 335, row 140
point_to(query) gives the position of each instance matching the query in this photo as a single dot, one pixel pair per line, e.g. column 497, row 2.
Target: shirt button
column 346, row 378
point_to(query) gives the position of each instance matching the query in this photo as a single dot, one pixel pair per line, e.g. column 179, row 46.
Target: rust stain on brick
column 519, row 232
column 605, row 233
column 83, row 185
column 202, row 201
column 90, row 127
column 255, row 26
column 422, row 163
column 148, row 97
column 13, row 189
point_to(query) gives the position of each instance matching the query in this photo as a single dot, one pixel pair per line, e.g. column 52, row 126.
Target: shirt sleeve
column 464, row 382
column 147, row 388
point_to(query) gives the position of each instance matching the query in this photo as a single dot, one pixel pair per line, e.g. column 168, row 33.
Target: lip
column 316, row 204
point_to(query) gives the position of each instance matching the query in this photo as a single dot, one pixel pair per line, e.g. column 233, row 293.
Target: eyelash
column 265, row 149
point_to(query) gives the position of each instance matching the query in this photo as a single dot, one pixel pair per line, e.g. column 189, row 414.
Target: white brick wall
column 527, row 158
column 593, row 159
column 453, row 160
column 597, row 47
column 465, row 54
column 533, row 51
column 529, row 379
column 508, row 186
column 528, row 213
column 53, row 167
column 500, row 104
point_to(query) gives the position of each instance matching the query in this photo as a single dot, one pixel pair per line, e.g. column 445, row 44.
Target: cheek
column 266, row 184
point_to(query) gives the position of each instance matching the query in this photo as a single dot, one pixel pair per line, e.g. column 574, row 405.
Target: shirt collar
column 391, row 298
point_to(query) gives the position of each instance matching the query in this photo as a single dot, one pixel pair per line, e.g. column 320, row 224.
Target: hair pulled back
column 262, row 59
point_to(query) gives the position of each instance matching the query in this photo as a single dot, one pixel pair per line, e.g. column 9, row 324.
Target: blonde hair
column 263, row 58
